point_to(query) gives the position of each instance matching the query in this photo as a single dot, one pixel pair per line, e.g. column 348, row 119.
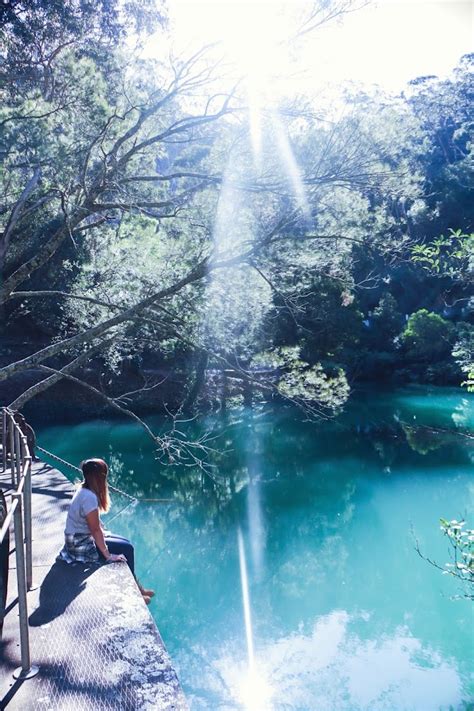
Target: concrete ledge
column 91, row 634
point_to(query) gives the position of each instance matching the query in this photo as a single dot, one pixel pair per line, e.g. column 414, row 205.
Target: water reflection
column 334, row 669
column 343, row 613
column 463, row 413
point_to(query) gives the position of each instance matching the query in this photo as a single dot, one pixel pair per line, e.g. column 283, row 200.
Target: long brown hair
column 95, row 478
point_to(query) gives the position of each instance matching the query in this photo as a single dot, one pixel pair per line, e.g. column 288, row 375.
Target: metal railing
column 16, row 457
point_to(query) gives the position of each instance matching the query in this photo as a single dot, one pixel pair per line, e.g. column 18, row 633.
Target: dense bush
column 427, row 336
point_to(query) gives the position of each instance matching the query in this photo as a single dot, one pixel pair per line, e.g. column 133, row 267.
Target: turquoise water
column 342, row 612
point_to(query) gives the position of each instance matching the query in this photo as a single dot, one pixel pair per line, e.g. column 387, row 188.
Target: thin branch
column 127, row 315
column 27, row 117
column 110, row 401
column 201, row 270
column 180, row 126
column 45, row 384
column 444, row 570
column 144, row 389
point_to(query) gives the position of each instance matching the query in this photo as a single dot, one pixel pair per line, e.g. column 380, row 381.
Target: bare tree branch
column 162, row 443
column 65, row 295
column 43, row 385
column 84, row 336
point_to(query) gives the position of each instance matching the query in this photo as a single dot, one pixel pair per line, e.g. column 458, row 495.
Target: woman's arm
column 93, row 521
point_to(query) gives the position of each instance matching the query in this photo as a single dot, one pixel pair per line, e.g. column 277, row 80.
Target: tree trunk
column 196, row 387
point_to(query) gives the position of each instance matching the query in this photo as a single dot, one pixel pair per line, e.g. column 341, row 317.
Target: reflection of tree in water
column 423, row 440
column 259, row 453
column 386, row 449
column 209, row 513
column 256, row 461
column 317, row 490
column 462, row 414
column 257, row 446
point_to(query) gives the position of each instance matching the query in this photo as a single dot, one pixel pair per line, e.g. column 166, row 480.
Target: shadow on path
column 61, row 686
column 61, row 586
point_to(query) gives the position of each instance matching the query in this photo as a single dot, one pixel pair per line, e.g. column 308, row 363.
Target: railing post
column 4, row 439
column 18, row 457
column 27, row 515
column 12, row 447
column 26, row 670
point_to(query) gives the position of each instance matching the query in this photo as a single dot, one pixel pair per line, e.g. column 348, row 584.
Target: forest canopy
column 163, row 250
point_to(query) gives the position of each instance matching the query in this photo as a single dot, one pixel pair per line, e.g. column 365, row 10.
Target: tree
column 463, row 353
column 35, row 32
column 461, row 567
column 427, row 336
column 110, row 197
column 444, row 108
column 386, row 321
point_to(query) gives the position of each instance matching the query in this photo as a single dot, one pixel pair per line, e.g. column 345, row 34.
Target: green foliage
column 230, row 312
column 34, row 32
column 386, row 322
column 142, row 178
column 451, row 256
column 444, row 109
column 427, row 336
column 462, row 547
column 303, row 383
column 463, row 353
column 320, row 315
column 469, row 383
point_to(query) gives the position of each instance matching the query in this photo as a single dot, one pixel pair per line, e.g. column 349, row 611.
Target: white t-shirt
column 83, row 502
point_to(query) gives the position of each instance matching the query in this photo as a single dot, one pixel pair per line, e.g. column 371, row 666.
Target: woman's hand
column 116, row 558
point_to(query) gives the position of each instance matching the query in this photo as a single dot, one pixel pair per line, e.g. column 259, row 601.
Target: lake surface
column 289, row 579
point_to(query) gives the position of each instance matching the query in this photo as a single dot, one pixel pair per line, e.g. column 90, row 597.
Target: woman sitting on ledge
column 85, row 539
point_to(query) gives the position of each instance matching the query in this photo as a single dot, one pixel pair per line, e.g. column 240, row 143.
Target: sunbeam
column 254, row 690
column 246, row 600
column 291, row 167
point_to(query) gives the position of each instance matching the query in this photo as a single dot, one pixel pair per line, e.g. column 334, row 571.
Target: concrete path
column 91, row 634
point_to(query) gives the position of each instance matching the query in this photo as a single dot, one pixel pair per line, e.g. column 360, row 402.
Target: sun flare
column 253, row 36
column 255, row 692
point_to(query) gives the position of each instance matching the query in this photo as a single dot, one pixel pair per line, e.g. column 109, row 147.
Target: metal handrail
column 14, row 441
column 8, row 520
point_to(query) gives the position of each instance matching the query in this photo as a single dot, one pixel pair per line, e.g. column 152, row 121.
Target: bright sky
column 388, row 43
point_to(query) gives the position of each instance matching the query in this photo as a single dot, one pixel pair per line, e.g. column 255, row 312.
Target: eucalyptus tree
column 136, row 215
column 444, row 109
